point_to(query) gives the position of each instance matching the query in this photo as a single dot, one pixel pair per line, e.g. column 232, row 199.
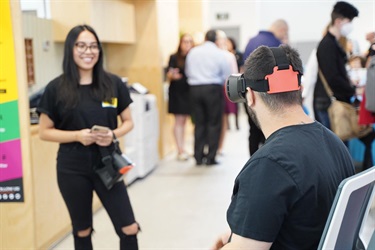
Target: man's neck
column 291, row 116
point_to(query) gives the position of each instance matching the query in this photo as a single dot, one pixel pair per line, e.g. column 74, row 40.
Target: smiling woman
column 86, row 54
column 84, row 97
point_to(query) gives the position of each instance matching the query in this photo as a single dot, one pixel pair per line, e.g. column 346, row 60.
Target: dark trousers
column 207, row 103
column 256, row 136
column 367, row 158
column 77, row 191
column 323, row 117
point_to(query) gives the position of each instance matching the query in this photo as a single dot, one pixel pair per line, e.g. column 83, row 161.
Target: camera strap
column 106, row 154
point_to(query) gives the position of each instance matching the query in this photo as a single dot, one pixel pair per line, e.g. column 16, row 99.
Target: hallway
column 180, row 206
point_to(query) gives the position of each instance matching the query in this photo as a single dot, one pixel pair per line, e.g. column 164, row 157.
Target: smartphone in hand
column 99, row 129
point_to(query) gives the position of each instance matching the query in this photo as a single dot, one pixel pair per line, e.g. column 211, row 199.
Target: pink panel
column 10, row 160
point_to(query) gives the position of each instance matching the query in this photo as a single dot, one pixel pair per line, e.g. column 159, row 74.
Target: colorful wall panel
column 11, row 185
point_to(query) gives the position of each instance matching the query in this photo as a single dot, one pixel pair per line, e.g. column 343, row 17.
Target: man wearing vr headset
column 283, row 195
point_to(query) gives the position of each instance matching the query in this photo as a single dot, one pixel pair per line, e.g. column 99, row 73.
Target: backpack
column 370, row 86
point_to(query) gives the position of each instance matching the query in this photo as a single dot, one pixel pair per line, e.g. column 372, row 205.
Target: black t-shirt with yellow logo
column 75, row 157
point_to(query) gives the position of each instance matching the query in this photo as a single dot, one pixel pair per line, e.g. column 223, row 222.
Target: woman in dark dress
column 179, row 104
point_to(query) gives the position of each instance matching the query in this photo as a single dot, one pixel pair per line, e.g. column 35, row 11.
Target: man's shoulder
column 197, row 49
column 266, row 38
column 284, row 140
column 266, row 33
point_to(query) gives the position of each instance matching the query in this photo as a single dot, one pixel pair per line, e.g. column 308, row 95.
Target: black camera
column 114, row 168
column 121, row 163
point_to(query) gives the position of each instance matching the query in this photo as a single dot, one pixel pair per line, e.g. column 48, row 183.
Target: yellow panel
column 16, row 219
column 8, row 77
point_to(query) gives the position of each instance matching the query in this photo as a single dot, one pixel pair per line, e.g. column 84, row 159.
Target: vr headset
column 282, row 79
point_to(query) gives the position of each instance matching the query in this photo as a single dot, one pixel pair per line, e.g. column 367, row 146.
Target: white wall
column 306, row 18
column 42, row 7
column 167, row 16
column 47, row 54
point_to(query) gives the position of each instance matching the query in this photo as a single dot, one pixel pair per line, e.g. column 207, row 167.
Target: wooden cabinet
column 113, row 20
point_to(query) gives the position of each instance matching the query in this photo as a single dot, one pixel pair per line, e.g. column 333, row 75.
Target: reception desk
column 50, row 213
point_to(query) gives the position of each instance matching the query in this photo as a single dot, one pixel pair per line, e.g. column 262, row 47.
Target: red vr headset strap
column 282, row 79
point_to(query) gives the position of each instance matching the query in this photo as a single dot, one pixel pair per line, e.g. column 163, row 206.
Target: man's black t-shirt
column 285, row 191
column 75, row 157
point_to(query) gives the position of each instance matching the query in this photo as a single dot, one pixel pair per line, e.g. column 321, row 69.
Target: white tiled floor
column 180, row 206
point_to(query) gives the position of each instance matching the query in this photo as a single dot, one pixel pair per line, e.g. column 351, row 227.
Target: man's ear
column 250, row 97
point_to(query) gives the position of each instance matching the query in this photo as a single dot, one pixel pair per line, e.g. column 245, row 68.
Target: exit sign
column 222, row 16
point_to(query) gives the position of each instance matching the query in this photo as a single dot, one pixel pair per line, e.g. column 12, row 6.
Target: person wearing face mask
column 332, row 60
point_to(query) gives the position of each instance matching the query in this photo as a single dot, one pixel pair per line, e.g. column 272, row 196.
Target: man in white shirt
column 207, row 68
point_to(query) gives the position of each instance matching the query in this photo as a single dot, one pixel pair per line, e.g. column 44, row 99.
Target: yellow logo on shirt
column 112, row 104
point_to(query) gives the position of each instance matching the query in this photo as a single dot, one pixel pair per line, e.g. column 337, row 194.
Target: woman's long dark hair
column 102, row 89
column 180, row 57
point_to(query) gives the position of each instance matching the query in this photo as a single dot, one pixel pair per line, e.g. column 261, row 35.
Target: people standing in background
column 309, row 80
column 332, row 59
column 357, row 71
column 83, row 96
column 179, row 95
column 311, row 75
column 371, row 51
column 283, row 195
column 232, row 47
column 207, row 69
column 366, row 116
column 229, row 107
column 273, row 37
column 308, row 83
column 277, row 33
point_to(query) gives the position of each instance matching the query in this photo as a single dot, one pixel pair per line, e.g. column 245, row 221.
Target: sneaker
column 182, row 157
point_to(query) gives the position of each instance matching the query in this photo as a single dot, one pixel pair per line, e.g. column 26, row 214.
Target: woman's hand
column 174, row 74
column 85, row 137
column 104, row 139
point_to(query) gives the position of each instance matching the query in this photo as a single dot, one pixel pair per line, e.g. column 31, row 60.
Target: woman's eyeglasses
column 82, row 47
